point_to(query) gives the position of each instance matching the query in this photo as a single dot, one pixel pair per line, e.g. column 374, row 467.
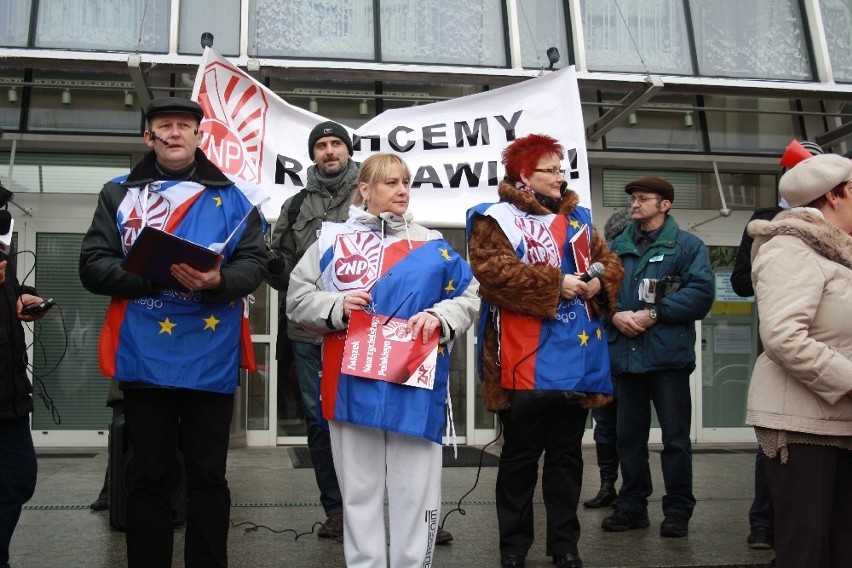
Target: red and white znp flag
column 452, row 147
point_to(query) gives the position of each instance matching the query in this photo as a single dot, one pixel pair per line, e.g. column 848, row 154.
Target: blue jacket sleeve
column 695, row 297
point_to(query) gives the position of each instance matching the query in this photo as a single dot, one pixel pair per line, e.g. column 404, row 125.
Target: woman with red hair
column 543, row 356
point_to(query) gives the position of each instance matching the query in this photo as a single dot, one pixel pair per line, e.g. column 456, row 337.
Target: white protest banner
column 452, row 147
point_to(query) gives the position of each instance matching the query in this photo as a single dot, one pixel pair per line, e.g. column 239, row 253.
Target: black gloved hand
column 274, row 260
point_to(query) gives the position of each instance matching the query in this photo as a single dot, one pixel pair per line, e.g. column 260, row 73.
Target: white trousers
column 369, row 461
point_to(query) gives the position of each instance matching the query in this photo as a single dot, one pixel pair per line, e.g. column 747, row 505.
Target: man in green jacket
column 668, row 285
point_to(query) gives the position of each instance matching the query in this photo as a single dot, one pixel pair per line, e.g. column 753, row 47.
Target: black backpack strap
column 295, row 206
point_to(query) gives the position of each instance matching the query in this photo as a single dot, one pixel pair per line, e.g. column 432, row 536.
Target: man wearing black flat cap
column 668, row 285
column 176, row 352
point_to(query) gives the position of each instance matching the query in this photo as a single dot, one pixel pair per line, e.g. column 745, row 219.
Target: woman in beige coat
column 799, row 401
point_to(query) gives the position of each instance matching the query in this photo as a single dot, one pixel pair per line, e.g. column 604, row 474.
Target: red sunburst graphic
column 235, row 111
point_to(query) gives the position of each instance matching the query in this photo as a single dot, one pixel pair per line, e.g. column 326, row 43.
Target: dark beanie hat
column 653, row 184
column 328, row 128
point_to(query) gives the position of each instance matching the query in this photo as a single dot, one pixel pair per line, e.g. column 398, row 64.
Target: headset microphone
column 152, row 137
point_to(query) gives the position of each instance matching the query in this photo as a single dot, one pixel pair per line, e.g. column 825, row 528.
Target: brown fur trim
column 612, row 276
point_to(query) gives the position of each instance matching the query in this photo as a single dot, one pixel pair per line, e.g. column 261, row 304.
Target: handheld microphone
column 7, row 225
column 594, row 271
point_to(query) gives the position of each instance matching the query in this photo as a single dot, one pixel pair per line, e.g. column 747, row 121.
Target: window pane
column 658, row 28
column 219, row 17
column 104, row 24
column 14, row 22
column 837, row 21
column 729, row 337
column 661, row 125
column 463, row 32
column 257, row 413
column 259, row 311
column 78, row 103
column 542, row 25
column 317, row 28
column 755, row 130
column 65, row 344
column 11, row 95
column 63, row 173
column 763, row 40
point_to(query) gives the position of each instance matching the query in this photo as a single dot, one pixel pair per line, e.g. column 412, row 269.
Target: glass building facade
column 706, row 93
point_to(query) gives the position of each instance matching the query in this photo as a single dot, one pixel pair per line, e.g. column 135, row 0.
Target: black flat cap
column 653, row 184
column 173, row 105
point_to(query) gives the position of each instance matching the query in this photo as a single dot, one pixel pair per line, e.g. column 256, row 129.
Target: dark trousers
column 18, row 472
column 156, row 418
column 812, row 496
column 308, row 358
column 558, row 432
column 605, row 419
column 760, row 514
column 668, row 390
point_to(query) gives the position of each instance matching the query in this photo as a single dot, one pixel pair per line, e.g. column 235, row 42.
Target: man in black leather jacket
column 17, row 456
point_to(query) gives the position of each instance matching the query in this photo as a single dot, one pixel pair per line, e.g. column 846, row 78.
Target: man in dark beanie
column 332, row 182
column 668, row 285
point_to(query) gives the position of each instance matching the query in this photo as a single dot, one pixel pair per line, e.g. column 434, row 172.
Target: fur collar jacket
column 531, row 290
column 802, row 276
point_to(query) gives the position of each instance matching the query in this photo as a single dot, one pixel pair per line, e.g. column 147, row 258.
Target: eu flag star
column 210, row 323
column 598, row 333
column 584, row 338
column 440, row 350
column 449, row 287
column 445, row 253
column 575, row 224
column 166, row 326
column 218, row 201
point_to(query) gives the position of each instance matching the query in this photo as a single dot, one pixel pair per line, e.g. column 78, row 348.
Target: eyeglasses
column 641, row 199
column 551, row 171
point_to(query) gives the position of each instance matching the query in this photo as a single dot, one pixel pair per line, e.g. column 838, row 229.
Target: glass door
column 729, row 347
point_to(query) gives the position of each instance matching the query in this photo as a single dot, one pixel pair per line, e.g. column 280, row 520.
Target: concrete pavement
column 57, row 529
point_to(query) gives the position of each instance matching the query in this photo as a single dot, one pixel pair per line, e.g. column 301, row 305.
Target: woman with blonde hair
column 364, row 285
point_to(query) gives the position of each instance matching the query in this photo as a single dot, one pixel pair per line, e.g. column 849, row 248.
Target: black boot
column 608, row 465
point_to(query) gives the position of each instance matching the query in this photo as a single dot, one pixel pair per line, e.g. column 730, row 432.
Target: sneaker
column 443, row 537
column 332, row 527
column 674, row 526
column 623, row 520
column 759, row 538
